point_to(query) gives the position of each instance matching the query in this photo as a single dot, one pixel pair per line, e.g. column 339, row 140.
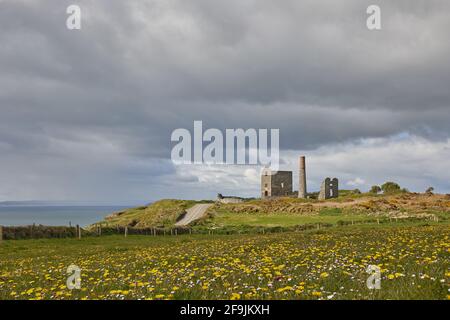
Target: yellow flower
column 324, row 275
column 317, row 293
column 284, row 289
column 235, row 296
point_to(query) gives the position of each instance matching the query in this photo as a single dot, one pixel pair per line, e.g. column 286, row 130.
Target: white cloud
column 414, row 162
column 356, row 182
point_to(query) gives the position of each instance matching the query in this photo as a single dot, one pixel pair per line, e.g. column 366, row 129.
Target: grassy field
column 287, row 212
column 359, row 208
column 327, row 260
column 324, row 264
column 281, row 220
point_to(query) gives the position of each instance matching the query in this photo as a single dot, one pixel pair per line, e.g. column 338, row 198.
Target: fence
column 40, row 231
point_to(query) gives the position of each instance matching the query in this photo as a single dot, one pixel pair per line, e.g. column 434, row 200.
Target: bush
column 375, row 189
column 391, row 187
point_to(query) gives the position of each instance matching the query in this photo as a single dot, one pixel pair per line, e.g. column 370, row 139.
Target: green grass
column 324, row 264
column 162, row 213
column 285, row 212
column 330, row 212
column 278, row 219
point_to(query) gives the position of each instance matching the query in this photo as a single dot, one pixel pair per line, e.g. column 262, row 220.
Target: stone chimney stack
column 302, row 193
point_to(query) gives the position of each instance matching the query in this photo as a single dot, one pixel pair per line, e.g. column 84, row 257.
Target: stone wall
column 276, row 184
column 329, row 189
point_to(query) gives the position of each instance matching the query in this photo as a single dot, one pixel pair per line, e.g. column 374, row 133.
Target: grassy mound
column 158, row 214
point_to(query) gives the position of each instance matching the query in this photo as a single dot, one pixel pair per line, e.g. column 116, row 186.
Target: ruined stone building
column 276, row 184
column 279, row 184
column 329, row 189
column 228, row 199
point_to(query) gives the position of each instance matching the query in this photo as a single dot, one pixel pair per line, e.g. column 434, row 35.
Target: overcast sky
column 86, row 115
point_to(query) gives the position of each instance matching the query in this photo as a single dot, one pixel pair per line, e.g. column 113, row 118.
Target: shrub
column 390, row 187
column 375, row 189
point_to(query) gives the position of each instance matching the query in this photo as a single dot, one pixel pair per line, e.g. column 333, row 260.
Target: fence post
column 78, row 232
column 176, row 232
column 1, row 234
column 126, row 231
column 99, row 230
column 378, row 221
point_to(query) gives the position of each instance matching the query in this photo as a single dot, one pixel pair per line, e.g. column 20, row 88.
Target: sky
column 87, row 115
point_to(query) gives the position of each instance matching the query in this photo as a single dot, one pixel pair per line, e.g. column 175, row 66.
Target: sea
column 54, row 215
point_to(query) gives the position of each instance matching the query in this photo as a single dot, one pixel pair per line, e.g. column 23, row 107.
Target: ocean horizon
column 54, row 215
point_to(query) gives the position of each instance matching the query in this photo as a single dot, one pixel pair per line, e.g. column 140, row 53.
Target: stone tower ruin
column 279, row 184
column 329, row 189
column 302, row 192
column 276, row 184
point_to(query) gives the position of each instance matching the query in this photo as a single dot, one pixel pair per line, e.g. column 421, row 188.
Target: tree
column 375, row 189
column 429, row 190
column 390, row 187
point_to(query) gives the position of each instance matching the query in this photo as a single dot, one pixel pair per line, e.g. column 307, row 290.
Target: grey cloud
column 138, row 70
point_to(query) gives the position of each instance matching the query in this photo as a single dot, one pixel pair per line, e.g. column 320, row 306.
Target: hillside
column 397, row 205
column 161, row 213
column 285, row 212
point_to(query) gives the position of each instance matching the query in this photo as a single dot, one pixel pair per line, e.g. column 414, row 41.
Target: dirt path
column 194, row 213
